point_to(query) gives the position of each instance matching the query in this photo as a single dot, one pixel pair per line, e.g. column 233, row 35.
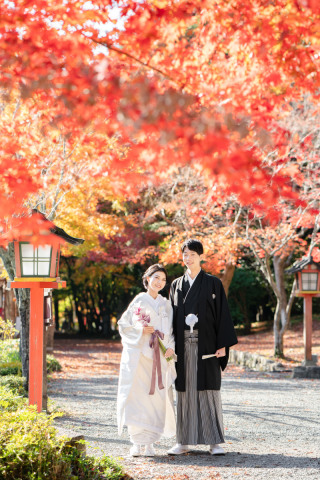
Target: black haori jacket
column 215, row 328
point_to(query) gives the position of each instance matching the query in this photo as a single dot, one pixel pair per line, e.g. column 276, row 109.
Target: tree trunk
column 247, row 321
column 82, row 328
column 44, row 370
column 23, row 296
column 282, row 313
column 23, row 300
column 278, row 331
column 56, row 312
column 103, row 307
column 227, row 276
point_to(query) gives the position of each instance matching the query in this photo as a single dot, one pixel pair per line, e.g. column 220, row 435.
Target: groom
column 199, row 410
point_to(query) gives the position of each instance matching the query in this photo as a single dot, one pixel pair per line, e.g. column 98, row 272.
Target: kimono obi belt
column 156, row 362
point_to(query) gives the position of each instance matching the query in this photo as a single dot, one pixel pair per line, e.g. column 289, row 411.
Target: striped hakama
column 199, row 413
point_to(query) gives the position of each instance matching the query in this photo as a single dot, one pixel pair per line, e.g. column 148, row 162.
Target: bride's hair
column 150, row 271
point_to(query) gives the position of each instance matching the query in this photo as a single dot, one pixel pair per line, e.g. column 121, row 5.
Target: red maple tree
column 196, row 82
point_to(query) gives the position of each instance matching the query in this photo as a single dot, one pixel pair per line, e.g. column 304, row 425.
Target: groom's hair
column 194, row 245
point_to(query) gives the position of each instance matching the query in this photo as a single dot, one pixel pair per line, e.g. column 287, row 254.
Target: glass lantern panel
column 27, row 268
column 44, row 252
column 27, row 250
column 35, row 262
column 309, row 281
column 43, row 269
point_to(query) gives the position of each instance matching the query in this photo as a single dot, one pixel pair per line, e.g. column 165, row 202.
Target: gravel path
column 272, row 427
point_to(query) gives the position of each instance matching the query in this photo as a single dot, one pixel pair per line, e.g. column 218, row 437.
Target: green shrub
column 13, row 383
column 10, row 363
column 53, row 364
column 7, row 329
column 31, row 450
column 104, row 468
column 9, row 351
column 10, row 368
column 10, row 400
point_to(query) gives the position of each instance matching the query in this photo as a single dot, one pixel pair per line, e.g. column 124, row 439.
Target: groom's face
column 191, row 259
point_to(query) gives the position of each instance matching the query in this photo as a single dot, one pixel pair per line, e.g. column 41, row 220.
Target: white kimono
column 146, row 416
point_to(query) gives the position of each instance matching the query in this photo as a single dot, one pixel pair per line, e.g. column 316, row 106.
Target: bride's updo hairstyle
column 151, row 270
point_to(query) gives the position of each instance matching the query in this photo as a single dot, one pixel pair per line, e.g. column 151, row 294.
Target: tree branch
column 313, row 241
column 132, row 57
column 291, row 299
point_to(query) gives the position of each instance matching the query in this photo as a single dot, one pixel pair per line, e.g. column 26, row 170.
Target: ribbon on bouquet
column 156, row 363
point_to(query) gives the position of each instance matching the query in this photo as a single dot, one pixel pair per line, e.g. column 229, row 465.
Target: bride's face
column 157, row 281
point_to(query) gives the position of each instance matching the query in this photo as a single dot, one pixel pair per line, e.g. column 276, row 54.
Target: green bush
column 248, row 296
column 91, row 468
column 10, row 400
column 10, row 363
column 28, row 447
column 7, row 329
column 9, row 351
column 53, row 364
column 13, row 383
column 31, row 450
column 10, row 368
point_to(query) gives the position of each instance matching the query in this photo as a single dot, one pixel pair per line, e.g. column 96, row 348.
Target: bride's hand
column 148, row 330
column 169, row 353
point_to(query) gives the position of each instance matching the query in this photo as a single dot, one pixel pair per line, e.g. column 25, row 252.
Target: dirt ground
column 271, row 420
column 262, row 343
column 73, row 353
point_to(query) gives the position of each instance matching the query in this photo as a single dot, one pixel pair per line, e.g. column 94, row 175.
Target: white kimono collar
column 160, row 302
column 153, row 302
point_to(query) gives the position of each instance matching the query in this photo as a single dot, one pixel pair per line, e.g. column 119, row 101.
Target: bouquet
column 144, row 319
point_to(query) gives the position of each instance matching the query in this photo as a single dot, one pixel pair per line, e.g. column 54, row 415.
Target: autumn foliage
column 159, row 84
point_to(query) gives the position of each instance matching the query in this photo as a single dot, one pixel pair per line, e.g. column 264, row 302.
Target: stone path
column 272, row 427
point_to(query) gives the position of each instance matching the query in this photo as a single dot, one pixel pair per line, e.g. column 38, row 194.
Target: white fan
column 191, row 320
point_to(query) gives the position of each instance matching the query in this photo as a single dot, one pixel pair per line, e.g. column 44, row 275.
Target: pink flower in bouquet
column 143, row 317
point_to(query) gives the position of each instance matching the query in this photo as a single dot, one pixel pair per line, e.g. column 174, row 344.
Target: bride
column 145, row 401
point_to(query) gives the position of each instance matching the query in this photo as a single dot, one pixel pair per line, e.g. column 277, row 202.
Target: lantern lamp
column 37, row 268
column 307, row 273
column 34, row 262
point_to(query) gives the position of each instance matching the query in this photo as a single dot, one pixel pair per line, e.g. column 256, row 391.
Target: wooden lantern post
column 36, row 354
column 37, row 268
column 307, row 273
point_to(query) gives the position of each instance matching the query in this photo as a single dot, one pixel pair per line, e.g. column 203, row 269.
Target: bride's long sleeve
column 130, row 331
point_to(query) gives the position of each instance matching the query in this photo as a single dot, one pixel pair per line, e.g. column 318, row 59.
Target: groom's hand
column 221, row 352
